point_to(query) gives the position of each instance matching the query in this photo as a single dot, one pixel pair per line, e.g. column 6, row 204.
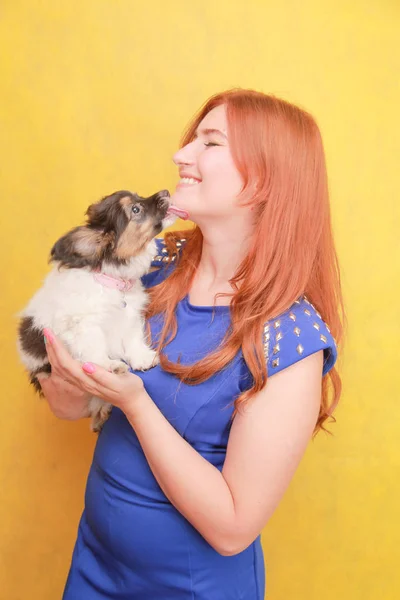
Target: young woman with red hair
column 247, row 313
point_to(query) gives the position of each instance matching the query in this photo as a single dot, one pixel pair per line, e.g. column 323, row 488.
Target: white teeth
column 189, row 180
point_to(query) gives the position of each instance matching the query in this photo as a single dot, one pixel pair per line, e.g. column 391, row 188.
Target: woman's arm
column 194, row 486
column 66, row 401
column 266, row 444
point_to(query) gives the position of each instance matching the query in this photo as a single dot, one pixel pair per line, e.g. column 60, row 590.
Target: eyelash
column 211, row 144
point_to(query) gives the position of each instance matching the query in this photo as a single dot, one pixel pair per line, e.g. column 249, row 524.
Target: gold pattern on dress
column 297, row 331
column 300, row 349
column 297, row 301
column 165, row 258
column 292, row 316
column 275, row 362
column 266, row 340
column 278, row 336
column 179, row 244
column 327, row 327
column 312, row 305
column 277, row 324
column 323, row 338
column 164, row 251
column 316, row 326
column 276, row 349
column 307, row 312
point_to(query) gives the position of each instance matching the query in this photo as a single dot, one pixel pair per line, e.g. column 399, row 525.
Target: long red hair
column 277, row 145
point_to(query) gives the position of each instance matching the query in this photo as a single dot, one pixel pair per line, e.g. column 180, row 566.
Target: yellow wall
column 95, row 95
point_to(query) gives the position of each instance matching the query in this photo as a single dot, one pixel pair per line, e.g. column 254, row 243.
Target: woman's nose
column 177, row 159
column 183, row 157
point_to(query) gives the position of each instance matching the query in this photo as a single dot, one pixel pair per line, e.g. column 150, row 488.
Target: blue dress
column 132, row 543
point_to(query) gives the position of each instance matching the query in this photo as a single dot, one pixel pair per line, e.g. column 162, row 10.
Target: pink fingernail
column 88, row 367
column 48, row 335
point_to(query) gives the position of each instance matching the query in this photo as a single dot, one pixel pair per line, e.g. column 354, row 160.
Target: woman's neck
column 220, row 258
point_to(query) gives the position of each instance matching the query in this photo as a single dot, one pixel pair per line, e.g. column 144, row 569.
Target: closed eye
column 211, row 144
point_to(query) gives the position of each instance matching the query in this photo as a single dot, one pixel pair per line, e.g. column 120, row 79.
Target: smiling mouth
column 188, row 181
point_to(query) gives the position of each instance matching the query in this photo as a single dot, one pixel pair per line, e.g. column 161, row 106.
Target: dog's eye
column 136, row 209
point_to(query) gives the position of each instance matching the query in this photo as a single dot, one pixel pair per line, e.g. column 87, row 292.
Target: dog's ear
column 109, row 213
column 80, row 247
column 97, row 212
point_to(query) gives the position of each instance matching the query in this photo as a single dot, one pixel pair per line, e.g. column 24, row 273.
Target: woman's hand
column 91, row 379
column 66, row 401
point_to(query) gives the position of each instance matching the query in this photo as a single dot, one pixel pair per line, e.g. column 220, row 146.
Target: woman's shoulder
column 167, row 252
column 163, row 261
column 295, row 334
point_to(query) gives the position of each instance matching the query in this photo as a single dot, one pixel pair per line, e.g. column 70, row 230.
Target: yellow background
column 95, row 95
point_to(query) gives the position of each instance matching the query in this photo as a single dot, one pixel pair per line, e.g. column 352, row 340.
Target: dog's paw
column 100, row 417
column 117, row 366
column 146, row 359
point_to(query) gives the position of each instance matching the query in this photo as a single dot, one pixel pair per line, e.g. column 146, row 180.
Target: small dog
column 93, row 298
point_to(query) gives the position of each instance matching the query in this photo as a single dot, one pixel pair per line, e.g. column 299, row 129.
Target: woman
column 199, row 450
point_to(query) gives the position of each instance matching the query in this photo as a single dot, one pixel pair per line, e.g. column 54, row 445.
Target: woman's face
column 208, row 160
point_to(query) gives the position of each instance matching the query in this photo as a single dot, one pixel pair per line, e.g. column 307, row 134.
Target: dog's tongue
column 174, row 210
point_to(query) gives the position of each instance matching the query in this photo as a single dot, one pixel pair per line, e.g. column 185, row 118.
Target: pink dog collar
column 113, row 282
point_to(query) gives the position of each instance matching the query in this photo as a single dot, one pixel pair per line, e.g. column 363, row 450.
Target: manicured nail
column 88, row 367
column 49, row 337
column 45, row 341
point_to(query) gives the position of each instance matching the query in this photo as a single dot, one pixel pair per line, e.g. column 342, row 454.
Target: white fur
column 89, row 318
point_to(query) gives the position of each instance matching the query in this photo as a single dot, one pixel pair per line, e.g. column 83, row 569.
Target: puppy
column 93, row 298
